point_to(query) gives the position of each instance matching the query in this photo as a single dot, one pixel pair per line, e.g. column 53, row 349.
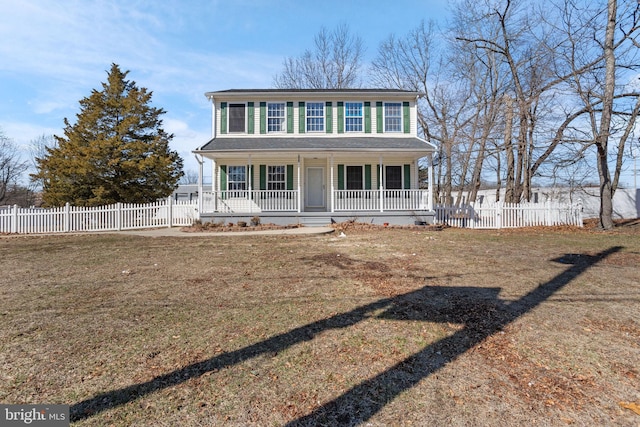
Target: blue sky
column 53, row 53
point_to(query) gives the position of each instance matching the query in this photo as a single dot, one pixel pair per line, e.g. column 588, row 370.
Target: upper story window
column 275, row 117
column 315, row 117
column 353, row 116
column 393, row 117
column 237, row 118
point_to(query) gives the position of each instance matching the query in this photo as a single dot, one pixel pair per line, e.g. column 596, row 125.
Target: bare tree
column 406, row 63
column 334, row 63
column 461, row 100
column 11, row 166
column 599, row 45
column 38, row 150
column 507, row 30
column 603, row 133
column 190, row 177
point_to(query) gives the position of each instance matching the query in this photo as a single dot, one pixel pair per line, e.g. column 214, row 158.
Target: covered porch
column 316, row 178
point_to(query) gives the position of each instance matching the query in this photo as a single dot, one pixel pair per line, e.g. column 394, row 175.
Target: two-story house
column 310, row 156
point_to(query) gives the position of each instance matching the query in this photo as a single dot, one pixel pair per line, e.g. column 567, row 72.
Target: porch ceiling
column 234, row 146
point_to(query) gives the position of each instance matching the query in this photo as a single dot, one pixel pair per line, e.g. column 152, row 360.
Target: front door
column 315, row 197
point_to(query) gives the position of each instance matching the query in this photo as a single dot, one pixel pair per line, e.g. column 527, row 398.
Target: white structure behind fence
column 120, row 216
column 510, row 215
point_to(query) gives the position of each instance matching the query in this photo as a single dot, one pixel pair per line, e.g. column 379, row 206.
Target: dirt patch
column 234, row 227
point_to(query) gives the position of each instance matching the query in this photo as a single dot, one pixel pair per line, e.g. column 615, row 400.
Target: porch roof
column 388, row 145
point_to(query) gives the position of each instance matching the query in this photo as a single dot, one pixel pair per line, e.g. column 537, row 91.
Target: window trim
column 229, row 104
column 346, row 177
column 283, row 123
column 386, row 187
column 322, row 116
column 361, row 117
column 230, row 181
column 400, row 116
column 269, row 175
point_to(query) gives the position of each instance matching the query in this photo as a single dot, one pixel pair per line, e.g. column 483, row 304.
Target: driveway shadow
column 481, row 312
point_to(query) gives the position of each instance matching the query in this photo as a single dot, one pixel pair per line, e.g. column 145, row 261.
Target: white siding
column 375, row 162
column 296, row 117
column 255, row 163
column 323, row 162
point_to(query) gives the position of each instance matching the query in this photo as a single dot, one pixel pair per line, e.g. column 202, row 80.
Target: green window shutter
column 407, row 177
column 289, row 177
column 223, row 117
column 379, row 118
column 328, row 117
column 263, row 117
column 301, row 117
column 250, row 118
column 367, row 117
column 340, row 177
column 223, row 180
column 367, row 177
column 340, row 117
column 406, row 117
column 289, row 117
column 263, row 177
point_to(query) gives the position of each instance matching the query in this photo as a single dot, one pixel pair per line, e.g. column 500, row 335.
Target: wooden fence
column 116, row 217
column 510, row 215
column 169, row 213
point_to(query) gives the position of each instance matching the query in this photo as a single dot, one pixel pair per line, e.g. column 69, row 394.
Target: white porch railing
column 510, row 215
column 254, row 201
column 357, row 200
column 381, row 200
column 405, row 200
column 257, row 201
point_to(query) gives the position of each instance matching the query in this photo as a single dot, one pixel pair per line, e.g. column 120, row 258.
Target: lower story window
column 237, row 178
column 354, row 178
column 393, row 177
column 276, row 178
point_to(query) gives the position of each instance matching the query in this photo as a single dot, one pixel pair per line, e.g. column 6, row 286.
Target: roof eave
column 305, row 93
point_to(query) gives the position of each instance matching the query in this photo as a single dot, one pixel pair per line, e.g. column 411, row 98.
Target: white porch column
column 200, row 161
column 430, row 178
column 381, row 185
column 214, row 185
column 333, row 199
column 250, row 186
column 299, row 187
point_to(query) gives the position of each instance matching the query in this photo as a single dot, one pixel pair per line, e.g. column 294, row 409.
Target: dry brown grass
column 383, row 327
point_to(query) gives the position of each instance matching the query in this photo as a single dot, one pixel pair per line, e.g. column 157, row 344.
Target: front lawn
column 383, row 326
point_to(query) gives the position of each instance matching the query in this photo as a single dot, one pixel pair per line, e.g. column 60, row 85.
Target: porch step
column 315, row 221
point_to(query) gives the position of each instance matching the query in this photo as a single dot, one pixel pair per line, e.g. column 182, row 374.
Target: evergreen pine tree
column 116, row 151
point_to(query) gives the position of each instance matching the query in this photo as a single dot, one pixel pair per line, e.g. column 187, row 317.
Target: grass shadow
column 480, row 310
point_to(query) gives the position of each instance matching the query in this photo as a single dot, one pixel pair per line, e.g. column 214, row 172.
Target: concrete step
column 315, row 221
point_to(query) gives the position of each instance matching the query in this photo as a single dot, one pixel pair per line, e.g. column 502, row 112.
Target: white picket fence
column 116, row 217
column 510, row 215
column 169, row 213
